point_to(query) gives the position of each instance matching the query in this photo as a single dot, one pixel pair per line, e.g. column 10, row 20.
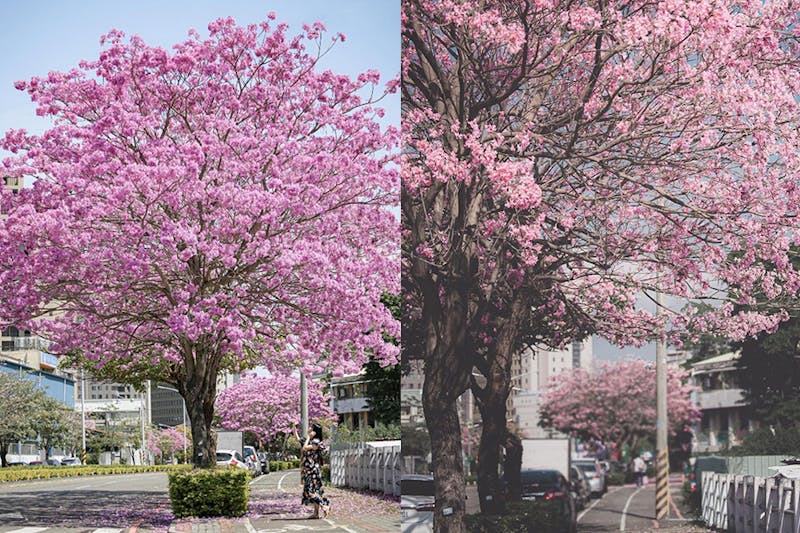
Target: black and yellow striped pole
column 662, row 447
column 83, row 456
column 662, row 485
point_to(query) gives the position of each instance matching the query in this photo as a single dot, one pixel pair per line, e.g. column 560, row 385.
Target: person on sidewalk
column 639, row 470
column 312, row 452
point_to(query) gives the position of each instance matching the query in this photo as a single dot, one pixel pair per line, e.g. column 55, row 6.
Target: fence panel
column 750, row 504
column 368, row 465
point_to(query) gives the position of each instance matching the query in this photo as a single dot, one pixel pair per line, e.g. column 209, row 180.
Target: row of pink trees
column 221, row 205
column 615, row 403
column 268, row 406
column 561, row 158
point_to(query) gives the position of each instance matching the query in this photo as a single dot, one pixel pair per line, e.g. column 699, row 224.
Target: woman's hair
column 317, row 429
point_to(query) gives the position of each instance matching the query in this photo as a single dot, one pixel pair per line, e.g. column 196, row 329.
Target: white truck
column 546, row 454
column 230, row 440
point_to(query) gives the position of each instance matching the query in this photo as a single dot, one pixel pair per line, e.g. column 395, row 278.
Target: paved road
column 136, row 500
column 632, row 509
column 139, row 503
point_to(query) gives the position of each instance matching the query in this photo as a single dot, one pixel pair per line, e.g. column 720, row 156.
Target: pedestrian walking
column 639, row 470
column 312, row 453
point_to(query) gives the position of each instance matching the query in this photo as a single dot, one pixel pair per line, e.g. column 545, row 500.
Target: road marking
column 249, row 526
column 27, row 530
column 612, row 491
column 11, row 515
column 107, row 530
column 280, row 481
column 625, row 509
column 334, row 524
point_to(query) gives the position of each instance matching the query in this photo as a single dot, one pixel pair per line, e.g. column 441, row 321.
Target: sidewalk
column 275, row 507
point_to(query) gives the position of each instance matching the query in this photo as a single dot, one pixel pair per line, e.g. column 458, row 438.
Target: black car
column 550, row 485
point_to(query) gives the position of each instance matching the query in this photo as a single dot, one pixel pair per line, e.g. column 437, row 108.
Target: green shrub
column 209, row 492
column 326, row 473
column 23, row 473
column 615, row 478
column 520, row 517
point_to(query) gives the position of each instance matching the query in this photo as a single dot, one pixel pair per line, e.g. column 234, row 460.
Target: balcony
column 720, row 399
column 350, row 405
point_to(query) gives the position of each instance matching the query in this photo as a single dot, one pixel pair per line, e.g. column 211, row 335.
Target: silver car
column 416, row 503
column 231, row 458
column 594, row 475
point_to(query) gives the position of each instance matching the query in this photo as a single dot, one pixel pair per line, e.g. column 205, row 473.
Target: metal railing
column 750, row 504
column 367, row 465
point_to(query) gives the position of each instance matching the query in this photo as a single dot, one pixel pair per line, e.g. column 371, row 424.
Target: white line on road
column 249, row 526
column 334, row 524
column 625, row 509
column 107, row 530
column 280, row 481
column 612, row 491
column 27, row 530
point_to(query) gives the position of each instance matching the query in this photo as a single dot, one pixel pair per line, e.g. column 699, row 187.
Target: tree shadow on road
column 91, row 508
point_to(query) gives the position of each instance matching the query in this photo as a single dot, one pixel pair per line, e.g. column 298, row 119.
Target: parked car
column 579, row 486
column 37, row 463
column 416, row 503
column 594, row 473
column 54, row 462
column 231, row 458
column 264, row 460
column 70, row 461
column 17, row 463
column 252, row 460
column 551, row 485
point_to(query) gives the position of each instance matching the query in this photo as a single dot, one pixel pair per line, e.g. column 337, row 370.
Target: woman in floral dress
column 311, row 471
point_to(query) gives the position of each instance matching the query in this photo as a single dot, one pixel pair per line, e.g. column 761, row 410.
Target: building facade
column 531, row 372
column 726, row 414
column 350, row 403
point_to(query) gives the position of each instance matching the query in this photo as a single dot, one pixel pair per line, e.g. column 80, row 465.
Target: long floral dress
column 311, row 471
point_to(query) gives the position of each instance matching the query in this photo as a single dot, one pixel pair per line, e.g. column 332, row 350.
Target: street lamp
column 184, row 417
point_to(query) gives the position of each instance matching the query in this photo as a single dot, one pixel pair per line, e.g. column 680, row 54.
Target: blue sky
column 48, row 35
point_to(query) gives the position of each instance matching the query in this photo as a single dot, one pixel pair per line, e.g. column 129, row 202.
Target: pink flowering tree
column 268, row 406
column 561, row 160
column 166, row 442
column 615, row 403
column 212, row 207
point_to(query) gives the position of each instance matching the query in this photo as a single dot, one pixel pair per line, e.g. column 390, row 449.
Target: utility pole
column 83, row 418
column 304, row 405
column 662, row 446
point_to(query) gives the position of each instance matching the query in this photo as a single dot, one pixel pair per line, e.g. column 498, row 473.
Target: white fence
column 750, row 504
column 369, row 465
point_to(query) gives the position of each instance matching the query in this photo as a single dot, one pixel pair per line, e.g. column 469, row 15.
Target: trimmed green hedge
column 24, row 473
column 274, row 466
column 520, row 517
column 209, row 492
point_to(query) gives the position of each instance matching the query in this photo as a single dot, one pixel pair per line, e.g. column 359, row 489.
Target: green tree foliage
column 54, row 423
column 416, row 440
column 383, row 382
column 18, row 400
column 770, row 375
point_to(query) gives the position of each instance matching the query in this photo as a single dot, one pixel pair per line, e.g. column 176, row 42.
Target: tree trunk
column 491, row 400
column 199, row 392
column 441, row 417
column 513, row 465
column 447, row 370
column 490, row 491
column 3, row 452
